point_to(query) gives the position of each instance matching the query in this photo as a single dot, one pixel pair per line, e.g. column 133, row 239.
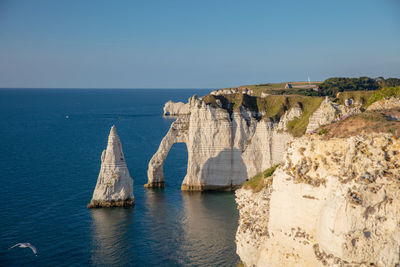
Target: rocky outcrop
column 229, row 136
column 230, row 91
column 332, row 202
column 176, row 109
column 393, row 102
column 114, row 186
column 329, row 112
column 225, row 145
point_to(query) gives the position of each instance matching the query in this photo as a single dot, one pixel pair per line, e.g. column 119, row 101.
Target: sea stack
column 114, row 186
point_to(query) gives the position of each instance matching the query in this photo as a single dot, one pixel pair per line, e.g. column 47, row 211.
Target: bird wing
column 15, row 245
column 33, row 248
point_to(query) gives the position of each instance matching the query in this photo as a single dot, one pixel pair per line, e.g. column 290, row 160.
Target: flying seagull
column 26, row 245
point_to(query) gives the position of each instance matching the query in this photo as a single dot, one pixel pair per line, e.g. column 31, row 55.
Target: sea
column 51, row 141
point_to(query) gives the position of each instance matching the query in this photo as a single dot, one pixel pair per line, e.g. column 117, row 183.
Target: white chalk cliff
column 332, row 202
column 329, row 112
column 224, row 146
column 176, row 108
column 114, row 185
column 228, row 145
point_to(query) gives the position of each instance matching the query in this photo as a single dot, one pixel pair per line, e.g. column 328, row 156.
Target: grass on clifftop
column 361, row 97
column 364, row 123
column 383, row 93
column 366, row 98
column 297, row 126
column 256, row 183
column 300, row 88
column 273, row 107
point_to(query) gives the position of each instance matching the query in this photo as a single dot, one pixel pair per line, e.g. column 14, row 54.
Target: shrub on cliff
column 258, row 182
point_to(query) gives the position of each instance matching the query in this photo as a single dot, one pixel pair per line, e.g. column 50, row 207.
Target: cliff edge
column 231, row 135
column 333, row 201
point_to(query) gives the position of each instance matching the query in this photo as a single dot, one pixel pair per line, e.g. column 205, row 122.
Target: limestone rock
column 390, row 103
column 176, row 108
column 294, row 112
column 114, row 185
column 331, row 203
column 229, row 91
column 224, row 148
column 329, row 112
column 325, row 114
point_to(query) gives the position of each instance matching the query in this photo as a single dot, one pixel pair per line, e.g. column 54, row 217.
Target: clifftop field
column 329, row 87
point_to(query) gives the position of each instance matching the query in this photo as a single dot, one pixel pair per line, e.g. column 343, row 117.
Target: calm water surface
column 48, row 170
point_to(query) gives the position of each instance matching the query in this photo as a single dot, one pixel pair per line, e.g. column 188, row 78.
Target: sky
column 194, row 44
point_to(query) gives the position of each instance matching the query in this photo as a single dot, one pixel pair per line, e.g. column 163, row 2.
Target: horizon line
column 123, row 88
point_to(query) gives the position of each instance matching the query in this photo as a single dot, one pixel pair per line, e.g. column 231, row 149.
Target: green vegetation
column 364, row 123
column 390, row 82
column 323, row 131
column 357, row 96
column 383, row 93
column 332, row 86
column 301, row 88
column 273, row 107
column 297, row 126
column 256, row 183
column 266, row 88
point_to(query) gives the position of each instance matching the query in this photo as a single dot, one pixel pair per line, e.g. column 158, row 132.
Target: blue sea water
column 48, row 170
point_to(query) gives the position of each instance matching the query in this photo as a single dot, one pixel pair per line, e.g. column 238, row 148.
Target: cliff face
column 231, row 135
column 225, row 145
column 114, row 185
column 176, row 108
column 332, row 202
column 329, row 112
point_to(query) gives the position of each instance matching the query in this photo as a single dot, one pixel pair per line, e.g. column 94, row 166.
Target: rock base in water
column 196, row 187
column 155, row 185
column 114, row 186
column 112, row 203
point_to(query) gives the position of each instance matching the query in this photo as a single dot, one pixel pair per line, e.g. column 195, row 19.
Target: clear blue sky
column 194, row 44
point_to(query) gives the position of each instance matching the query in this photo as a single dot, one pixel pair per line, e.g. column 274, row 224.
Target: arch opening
column 175, row 165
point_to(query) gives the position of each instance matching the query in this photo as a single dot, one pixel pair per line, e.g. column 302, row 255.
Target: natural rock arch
column 214, row 157
column 177, row 134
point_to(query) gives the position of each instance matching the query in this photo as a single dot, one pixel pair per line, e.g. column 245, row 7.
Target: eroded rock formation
column 114, row 185
column 329, row 112
column 389, row 103
column 332, row 202
column 176, row 108
column 225, row 146
column 232, row 137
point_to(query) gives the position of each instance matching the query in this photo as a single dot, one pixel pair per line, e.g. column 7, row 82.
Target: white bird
column 26, row 245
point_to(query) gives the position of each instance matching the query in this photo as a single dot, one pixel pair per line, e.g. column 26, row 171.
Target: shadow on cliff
column 226, row 170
